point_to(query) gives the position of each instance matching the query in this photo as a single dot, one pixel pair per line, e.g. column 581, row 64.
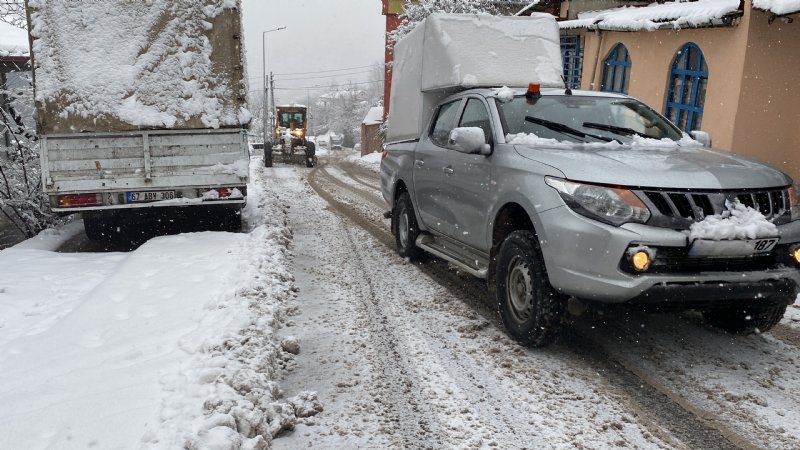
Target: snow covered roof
column 374, row 116
column 654, row 16
column 778, row 7
column 13, row 41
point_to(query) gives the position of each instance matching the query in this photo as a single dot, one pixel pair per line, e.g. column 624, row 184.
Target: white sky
column 319, row 35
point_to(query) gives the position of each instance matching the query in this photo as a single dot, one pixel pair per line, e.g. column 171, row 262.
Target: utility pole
column 272, row 97
column 264, row 77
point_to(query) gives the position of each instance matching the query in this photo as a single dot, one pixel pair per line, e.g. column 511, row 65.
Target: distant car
column 357, row 147
column 336, row 142
column 256, row 146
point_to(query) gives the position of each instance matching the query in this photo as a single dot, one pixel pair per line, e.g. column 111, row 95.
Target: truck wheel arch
column 510, row 217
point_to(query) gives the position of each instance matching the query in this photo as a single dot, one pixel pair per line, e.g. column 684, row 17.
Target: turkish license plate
column 707, row 248
column 150, row 196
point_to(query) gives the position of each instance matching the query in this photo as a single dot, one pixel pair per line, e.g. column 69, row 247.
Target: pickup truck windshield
column 585, row 119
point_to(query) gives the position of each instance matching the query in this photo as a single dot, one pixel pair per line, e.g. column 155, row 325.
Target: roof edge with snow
column 670, row 15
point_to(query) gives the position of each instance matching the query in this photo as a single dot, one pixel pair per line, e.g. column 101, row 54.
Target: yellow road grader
column 290, row 138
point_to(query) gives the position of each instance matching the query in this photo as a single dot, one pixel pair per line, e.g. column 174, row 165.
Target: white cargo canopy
column 449, row 52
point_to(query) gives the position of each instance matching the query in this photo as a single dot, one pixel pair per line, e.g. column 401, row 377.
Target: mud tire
column 406, row 229
column 531, row 309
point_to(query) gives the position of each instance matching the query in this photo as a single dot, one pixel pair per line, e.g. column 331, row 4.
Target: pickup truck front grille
column 695, row 206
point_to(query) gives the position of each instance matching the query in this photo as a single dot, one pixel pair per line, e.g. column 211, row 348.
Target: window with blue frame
column 616, row 70
column 688, row 81
column 572, row 56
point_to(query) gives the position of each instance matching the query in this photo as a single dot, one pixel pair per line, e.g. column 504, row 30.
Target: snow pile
column 173, row 345
column 240, row 168
column 370, row 161
column 738, row 222
column 504, row 94
column 148, row 64
column 654, row 16
column 13, row 41
column 532, row 140
column 778, row 7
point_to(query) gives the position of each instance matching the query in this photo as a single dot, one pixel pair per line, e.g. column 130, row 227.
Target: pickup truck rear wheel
column 531, row 310
column 406, row 229
column 744, row 319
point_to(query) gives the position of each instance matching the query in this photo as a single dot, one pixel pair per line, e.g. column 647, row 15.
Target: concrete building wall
column 767, row 124
column 652, row 55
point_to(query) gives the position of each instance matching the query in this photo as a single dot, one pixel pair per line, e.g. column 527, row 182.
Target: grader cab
column 290, row 137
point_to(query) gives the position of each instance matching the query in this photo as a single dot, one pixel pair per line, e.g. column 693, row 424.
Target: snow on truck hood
column 681, row 165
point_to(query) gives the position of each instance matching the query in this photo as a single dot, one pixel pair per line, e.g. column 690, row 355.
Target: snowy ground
column 169, row 345
column 307, row 330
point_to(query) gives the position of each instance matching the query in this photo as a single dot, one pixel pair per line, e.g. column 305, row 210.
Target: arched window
column 616, row 70
column 688, row 81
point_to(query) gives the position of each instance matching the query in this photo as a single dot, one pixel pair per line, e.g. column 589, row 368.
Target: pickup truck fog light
column 795, row 251
column 641, row 260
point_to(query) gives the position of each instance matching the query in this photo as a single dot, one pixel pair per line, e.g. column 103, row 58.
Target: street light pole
column 264, row 78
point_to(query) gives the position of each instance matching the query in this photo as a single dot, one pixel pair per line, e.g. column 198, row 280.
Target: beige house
column 725, row 67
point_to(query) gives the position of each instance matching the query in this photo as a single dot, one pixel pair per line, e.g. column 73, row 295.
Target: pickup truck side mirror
column 701, row 137
column 470, row 140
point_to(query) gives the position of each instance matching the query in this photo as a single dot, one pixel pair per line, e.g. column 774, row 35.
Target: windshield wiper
column 565, row 129
column 615, row 129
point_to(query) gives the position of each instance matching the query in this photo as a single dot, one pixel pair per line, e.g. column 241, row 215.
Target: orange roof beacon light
column 534, row 93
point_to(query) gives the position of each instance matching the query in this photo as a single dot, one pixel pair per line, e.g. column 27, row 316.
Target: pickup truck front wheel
column 531, row 310
column 406, row 229
column 743, row 320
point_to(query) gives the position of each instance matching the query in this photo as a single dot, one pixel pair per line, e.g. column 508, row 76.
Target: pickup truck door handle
column 448, row 170
column 419, row 163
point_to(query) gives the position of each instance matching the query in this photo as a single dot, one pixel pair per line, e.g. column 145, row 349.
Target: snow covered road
column 309, row 328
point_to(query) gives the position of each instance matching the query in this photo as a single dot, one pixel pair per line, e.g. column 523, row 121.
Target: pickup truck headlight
column 794, row 201
column 611, row 205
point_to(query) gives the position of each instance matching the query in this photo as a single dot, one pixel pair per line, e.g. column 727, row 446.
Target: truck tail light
column 79, row 200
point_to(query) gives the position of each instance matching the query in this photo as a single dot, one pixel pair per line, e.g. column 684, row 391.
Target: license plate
column 708, row 248
column 150, row 196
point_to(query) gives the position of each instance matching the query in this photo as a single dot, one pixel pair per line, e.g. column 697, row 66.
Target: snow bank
column 654, row 16
column 450, row 52
column 113, row 65
column 173, row 345
column 738, row 222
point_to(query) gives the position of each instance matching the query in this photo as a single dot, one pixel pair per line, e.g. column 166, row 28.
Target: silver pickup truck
column 556, row 194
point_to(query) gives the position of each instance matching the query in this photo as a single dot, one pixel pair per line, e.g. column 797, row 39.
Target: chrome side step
column 462, row 258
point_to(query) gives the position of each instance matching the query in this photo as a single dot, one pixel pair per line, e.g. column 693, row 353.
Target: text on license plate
column 150, row 196
column 701, row 248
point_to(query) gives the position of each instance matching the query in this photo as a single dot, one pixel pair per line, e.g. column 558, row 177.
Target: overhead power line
column 324, row 76
column 323, row 71
column 317, row 87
